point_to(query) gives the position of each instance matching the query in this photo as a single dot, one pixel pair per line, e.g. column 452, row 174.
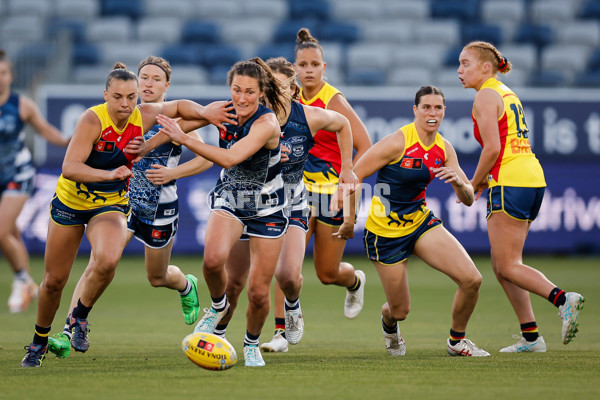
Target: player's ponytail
column 304, row 40
column 120, row 72
column 487, row 52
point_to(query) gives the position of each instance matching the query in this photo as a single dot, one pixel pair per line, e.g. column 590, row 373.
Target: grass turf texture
column 136, row 334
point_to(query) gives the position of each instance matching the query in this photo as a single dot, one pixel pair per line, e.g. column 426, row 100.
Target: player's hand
column 159, row 174
column 448, row 175
column 337, row 201
column 171, row 128
column 136, row 146
column 345, row 232
column 479, row 188
column 285, row 151
column 120, row 174
column 219, row 112
column 348, row 181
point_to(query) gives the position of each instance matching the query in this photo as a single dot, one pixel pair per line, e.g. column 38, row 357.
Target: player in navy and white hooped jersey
column 298, row 127
column 17, row 174
column 249, row 196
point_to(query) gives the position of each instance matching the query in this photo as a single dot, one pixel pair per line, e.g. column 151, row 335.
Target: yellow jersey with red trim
column 398, row 206
column 516, row 165
column 322, row 168
column 107, row 153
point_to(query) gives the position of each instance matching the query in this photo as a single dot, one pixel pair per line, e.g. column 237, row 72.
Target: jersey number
column 520, row 120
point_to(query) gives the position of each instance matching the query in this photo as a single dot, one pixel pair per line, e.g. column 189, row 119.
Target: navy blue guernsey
column 255, row 184
column 15, row 158
column 297, row 137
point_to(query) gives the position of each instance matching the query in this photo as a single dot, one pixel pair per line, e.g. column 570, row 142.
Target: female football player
column 516, row 184
column 91, row 191
column 400, row 224
column 16, row 180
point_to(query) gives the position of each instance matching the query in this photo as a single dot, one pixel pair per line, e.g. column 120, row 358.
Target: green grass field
column 137, row 330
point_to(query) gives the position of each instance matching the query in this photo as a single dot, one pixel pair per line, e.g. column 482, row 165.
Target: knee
column 472, row 282
column 106, row 264
column 214, row 261
column 289, row 282
column 54, row 283
column 327, row 277
column 398, row 312
column 258, row 298
column 157, row 281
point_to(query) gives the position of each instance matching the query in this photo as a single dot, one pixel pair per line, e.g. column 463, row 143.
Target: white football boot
column 23, row 292
column 568, row 313
column 211, row 319
column 465, row 348
column 523, row 346
column 294, row 325
column 394, row 343
column 252, row 356
column 278, row 344
column 356, row 299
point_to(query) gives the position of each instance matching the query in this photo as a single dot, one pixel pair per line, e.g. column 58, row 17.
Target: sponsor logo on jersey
column 105, row 147
column 411, row 163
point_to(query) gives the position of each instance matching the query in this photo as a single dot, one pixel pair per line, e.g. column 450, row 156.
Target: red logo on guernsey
column 411, row 163
column 105, row 147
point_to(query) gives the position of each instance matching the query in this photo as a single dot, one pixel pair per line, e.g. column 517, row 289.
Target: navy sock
column 456, row 337
column 557, row 297
column 81, row 311
column 41, row 335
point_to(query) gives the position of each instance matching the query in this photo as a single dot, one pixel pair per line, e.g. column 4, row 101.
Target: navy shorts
column 522, row 203
column 18, row 188
column 319, row 208
column 153, row 236
column 267, row 226
column 299, row 218
column 392, row 250
column 63, row 215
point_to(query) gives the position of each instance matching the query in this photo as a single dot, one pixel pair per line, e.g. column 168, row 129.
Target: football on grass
column 209, row 351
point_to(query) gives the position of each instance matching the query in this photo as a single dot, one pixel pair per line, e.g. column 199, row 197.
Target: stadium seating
column 544, row 39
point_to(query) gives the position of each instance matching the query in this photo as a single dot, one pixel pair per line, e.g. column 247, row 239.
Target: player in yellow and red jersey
column 321, row 176
column 516, row 184
column 91, row 198
column 400, row 224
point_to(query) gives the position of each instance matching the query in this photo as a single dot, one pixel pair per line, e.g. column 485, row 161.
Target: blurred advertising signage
column 562, row 124
column 568, row 222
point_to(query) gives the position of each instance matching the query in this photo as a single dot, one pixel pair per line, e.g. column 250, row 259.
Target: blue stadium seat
column 548, row 79
column 451, row 57
column 277, row 50
column 338, row 32
column 287, row 31
column 198, row 31
column 85, row 54
column 464, row 10
column 316, row 9
column 75, row 27
column 590, row 10
column 182, row 54
column 588, row 79
column 366, row 77
column 31, row 60
column 219, row 55
column 594, row 61
column 540, row 35
column 486, row 32
column 133, row 9
column 218, row 75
